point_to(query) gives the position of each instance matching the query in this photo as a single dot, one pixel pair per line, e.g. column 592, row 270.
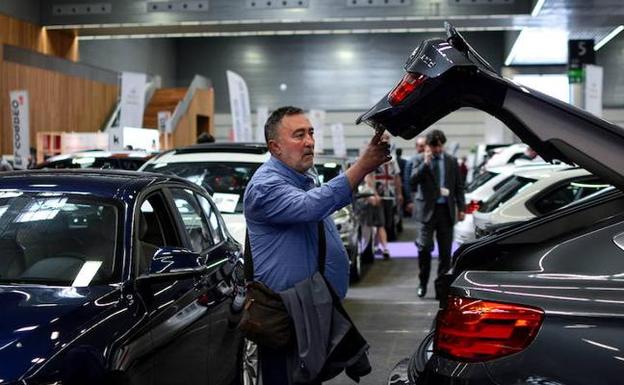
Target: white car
column 532, row 193
column 484, row 186
column 506, row 155
column 224, row 169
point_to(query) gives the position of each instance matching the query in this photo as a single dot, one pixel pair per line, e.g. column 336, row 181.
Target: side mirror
column 172, row 263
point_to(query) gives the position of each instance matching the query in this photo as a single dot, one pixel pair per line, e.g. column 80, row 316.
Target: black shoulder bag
column 265, row 319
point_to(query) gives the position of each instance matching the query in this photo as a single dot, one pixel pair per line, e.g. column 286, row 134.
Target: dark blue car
column 113, row 277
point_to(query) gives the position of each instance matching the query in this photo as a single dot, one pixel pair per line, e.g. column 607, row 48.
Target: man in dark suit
column 438, row 203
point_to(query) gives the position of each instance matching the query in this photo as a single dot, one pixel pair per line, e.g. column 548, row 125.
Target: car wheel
column 249, row 366
column 420, row 358
column 365, row 245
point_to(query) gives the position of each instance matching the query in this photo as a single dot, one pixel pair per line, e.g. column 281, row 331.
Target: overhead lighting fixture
column 608, row 38
column 514, row 49
column 539, row 46
column 538, row 7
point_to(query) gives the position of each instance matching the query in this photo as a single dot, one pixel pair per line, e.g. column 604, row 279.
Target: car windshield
column 56, row 239
column 513, row 186
column 226, row 181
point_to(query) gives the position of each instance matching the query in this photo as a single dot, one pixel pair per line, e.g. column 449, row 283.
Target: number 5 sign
column 580, row 52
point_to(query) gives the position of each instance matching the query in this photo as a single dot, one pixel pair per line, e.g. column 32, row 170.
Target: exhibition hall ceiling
column 123, row 18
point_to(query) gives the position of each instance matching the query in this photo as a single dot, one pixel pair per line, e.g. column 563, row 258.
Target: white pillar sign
column 20, row 122
column 132, row 99
column 317, row 119
column 338, row 139
column 593, row 89
column 115, row 138
column 164, row 122
column 239, row 106
column 262, row 114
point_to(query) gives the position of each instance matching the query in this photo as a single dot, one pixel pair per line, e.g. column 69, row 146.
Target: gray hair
column 275, row 119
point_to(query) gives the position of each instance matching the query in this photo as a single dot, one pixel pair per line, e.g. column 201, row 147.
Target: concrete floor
column 387, row 311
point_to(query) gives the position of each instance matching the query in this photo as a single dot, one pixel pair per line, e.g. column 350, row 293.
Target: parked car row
column 117, row 277
column 536, row 303
column 508, row 195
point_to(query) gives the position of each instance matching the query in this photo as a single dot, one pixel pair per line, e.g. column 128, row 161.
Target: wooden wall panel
column 58, row 102
column 33, row 37
column 202, row 104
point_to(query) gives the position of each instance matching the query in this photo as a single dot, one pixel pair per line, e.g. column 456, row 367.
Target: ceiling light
column 539, row 46
column 608, row 38
column 514, row 49
column 538, row 7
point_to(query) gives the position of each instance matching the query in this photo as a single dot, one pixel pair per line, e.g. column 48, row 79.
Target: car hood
column 456, row 76
column 38, row 321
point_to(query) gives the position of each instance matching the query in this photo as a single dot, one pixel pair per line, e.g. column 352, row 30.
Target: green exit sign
column 576, row 75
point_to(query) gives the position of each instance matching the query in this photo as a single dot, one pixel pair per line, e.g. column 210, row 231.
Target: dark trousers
column 274, row 367
column 441, row 226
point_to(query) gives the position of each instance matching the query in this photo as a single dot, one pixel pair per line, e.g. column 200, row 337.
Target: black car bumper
column 441, row 371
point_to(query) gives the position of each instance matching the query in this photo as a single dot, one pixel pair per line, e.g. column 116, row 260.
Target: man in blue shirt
column 283, row 207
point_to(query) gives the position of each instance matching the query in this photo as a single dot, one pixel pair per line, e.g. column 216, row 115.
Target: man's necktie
column 436, row 170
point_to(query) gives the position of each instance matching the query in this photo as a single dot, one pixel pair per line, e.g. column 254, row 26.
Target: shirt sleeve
column 278, row 202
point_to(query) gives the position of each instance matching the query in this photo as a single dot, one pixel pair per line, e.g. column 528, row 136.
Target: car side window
column 194, row 222
column 155, row 230
column 211, row 214
column 566, row 194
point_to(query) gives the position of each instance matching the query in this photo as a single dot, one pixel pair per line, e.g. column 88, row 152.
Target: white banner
column 338, row 139
column 262, row 114
column 593, row 89
column 115, row 138
column 164, row 122
column 239, row 106
column 20, row 121
column 132, row 99
column 317, row 119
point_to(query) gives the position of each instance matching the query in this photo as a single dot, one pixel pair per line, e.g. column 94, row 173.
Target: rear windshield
column 226, row 181
column 479, row 181
column 327, row 171
column 58, row 239
column 97, row 162
column 505, row 192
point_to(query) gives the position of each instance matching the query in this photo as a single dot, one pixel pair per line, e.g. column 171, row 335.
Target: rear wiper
column 457, row 40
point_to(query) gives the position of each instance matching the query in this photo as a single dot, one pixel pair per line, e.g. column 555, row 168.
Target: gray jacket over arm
column 327, row 340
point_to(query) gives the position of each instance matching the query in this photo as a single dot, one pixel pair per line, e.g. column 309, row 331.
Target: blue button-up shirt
column 282, row 210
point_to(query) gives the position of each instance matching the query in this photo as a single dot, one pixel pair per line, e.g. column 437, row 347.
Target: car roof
column 553, row 173
column 216, row 152
column 104, row 183
column 101, row 154
column 544, row 172
column 511, row 167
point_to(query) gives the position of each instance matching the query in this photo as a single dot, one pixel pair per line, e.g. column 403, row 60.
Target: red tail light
column 475, row 330
column 472, row 206
column 405, row 87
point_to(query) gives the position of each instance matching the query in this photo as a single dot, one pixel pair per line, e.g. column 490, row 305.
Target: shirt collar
column 295, row 176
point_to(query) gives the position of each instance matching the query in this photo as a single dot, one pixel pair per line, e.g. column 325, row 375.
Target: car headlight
column 342, row 219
